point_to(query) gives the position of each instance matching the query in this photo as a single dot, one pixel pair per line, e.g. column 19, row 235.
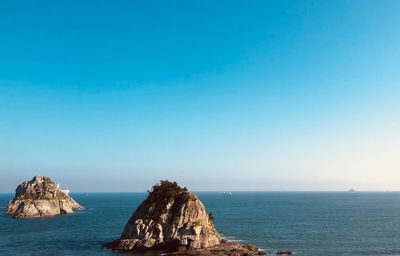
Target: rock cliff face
column 169, row 218
column 40, row 197
column 173, row 220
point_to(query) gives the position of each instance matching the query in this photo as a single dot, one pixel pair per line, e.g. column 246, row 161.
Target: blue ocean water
column 328, row 224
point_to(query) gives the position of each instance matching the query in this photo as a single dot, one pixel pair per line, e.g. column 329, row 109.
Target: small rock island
column 175, row 221
column 40, row 197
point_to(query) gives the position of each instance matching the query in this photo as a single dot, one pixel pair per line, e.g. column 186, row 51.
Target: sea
column 307, row 223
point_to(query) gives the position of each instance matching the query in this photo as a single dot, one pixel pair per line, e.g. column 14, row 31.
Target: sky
column 217, row 95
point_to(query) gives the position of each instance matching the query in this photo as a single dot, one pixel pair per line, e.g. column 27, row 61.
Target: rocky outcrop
column 40, row 197
column 173, row 220
column 285, row 253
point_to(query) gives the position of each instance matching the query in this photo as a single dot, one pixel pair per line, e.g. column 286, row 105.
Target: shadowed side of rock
column 40, row 197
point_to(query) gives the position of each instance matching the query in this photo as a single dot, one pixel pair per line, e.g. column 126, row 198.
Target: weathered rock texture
column 40, row 197
column 173, row 220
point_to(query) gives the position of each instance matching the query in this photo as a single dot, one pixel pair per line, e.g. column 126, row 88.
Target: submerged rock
column 173, row 220
column 285, row 253
column 40, row 197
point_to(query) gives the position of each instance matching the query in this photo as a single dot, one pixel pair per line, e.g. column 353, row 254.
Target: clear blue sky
column 218, row 95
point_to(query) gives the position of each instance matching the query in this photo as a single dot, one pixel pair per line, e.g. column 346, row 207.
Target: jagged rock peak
column 40, row 197
column 170, row 218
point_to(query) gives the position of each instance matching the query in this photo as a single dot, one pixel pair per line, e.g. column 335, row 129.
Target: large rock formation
column 172, row 220
column 40, row 197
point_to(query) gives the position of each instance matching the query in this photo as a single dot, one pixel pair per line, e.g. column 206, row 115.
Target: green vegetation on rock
column 165, row 192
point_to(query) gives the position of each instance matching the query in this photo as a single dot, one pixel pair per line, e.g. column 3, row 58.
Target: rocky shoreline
column 224, row 248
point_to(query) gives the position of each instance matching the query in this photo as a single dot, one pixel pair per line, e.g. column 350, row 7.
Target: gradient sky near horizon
column 218, row 95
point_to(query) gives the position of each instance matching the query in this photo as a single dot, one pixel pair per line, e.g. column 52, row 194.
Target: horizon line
column 241, row 191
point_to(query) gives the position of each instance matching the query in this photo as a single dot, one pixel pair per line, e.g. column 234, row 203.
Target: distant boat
column 227, row 193
column 352, row 190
